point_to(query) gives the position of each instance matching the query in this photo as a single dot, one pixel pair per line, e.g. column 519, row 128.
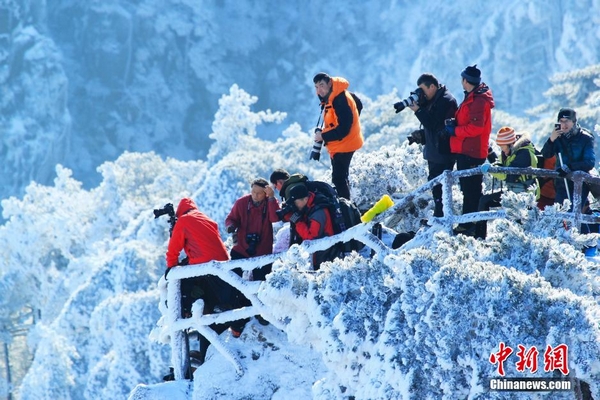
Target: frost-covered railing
column 173, row 326
column 450, row 178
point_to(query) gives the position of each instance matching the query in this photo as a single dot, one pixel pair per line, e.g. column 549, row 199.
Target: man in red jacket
column 312, row 221
column 469, row 135
column 198, row 235
column 251, row 220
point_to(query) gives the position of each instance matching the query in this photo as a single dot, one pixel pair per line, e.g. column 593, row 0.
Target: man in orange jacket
column 341, row 132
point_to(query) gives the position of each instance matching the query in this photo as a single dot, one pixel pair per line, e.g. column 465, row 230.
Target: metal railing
column 175, row 327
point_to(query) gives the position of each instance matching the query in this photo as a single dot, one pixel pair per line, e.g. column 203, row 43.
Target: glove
column 230, row 229
column 563, row 171
column 167, row 272
column 485, row 168
column 295, row 217
column 450, row 130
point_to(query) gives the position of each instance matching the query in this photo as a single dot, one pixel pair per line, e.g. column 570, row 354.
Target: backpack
column 344, row 213
column 351, row 217
column 359, row 104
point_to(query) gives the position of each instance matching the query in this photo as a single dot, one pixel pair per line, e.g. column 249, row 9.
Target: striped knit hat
column 506, row 135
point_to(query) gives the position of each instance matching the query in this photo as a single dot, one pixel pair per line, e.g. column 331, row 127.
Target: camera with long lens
column 252, row 239
column 415, row 97
column 315, row 154
column 167, row 209
column 417, row 137
column 285, row 209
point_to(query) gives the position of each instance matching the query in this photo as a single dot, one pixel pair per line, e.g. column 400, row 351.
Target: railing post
column 179, row 358
column 577, row 200
column 447, row 201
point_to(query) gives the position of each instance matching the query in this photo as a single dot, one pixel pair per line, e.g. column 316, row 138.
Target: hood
column 338, row 86
column 485, row 92
column 186, row 204
column 523, row 140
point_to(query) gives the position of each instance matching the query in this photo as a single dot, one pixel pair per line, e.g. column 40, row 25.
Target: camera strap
column 264, row 212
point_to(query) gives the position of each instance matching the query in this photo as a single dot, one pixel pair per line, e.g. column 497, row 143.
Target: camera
column 167, row 209
column 491, row 155
column 557, row 127
column 415, row 97
column 417, row 137
column 315, row 154
column 285, row 209
column 252, row 239
column 450, row 122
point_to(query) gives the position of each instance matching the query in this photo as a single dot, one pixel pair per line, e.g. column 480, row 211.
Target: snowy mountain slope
column 89, row 260
column 82, row 82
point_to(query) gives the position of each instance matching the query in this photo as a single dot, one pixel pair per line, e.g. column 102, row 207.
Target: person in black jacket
column 574, row 150
column 435, row 106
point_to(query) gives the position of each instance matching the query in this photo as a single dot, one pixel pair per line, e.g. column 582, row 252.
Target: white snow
column 90, row 151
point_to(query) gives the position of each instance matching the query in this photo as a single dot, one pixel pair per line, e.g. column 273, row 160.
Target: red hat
column 506, row 135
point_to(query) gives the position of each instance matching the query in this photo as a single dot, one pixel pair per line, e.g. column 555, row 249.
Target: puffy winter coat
column 432, row 116
column 473, row 123
column 341, row 127
column 577, row 151
column 252, row 219
column 316, row 221
column 522, row 155
column 196, row 234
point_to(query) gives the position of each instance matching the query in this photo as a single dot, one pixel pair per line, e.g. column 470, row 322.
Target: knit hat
column 506, row 135
column 568, row 113
column 472, row 75
column 298, row 191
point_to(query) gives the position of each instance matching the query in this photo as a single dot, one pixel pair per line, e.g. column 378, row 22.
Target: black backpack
column 344, row 213
column 359, row 104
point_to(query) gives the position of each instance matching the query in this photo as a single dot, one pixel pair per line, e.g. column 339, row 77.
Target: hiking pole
column 565, row 178
column 315, row 154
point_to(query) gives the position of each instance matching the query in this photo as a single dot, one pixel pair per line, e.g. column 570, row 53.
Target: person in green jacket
column 518, row 152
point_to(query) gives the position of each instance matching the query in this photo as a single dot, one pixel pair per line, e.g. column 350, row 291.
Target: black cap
column 299, row 191
column 568, row 113
column 472, row 75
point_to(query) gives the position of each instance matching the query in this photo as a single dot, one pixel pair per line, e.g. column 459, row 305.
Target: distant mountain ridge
column 82, row 82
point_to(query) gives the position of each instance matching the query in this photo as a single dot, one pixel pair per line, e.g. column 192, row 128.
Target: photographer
column 573, row 147
column 434, row 106
column 341, row 131
column 198, row 236
column 250, row 221
column 311, row 221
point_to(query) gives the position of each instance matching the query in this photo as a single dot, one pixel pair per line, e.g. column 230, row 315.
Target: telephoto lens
column 315, row 154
